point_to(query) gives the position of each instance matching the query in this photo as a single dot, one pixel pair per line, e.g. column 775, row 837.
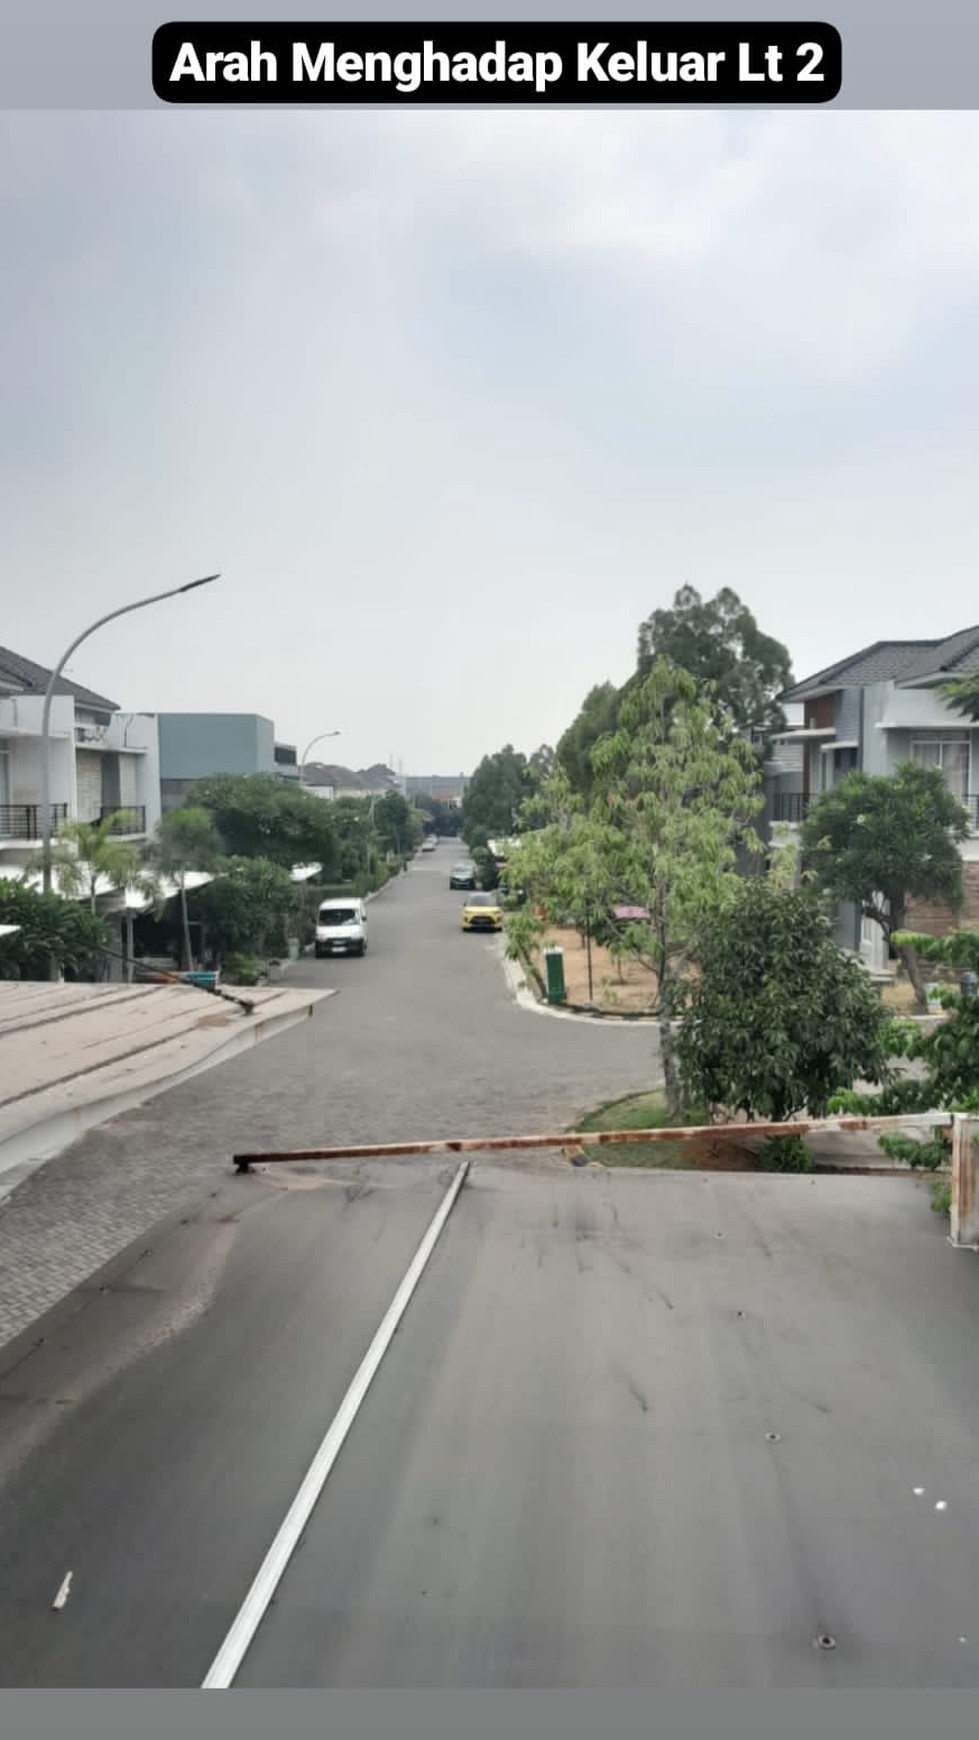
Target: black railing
column 131, row 818
column 791, row 806
column 23, row 821
column 794, row 806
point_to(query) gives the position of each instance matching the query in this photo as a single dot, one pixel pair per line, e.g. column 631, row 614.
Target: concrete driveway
column 635, row 1429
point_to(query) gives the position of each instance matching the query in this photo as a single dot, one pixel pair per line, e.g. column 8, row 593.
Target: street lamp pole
column 312, row 745
column 124, row 609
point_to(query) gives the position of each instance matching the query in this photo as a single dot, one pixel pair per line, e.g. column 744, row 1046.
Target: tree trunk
column 671, row 1078
column 909, row 956
column 912, row 967
column 188, row 956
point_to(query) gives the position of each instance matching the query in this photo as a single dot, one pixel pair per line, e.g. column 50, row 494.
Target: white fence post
column 965, row 1167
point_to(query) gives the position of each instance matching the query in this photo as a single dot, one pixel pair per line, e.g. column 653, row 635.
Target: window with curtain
column 951, row 754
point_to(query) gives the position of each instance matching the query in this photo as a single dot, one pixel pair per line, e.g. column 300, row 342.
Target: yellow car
column 482, row 912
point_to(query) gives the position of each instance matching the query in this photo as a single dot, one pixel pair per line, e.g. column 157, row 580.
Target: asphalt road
column 422, row 1040
column 562, row 1475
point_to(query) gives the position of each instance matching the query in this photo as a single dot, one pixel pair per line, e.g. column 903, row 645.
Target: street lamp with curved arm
column 123, row 610
column 312, row 745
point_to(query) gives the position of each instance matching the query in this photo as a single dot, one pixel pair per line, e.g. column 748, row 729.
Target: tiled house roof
column 956, row 656
column 903, row 661
column 33, row 679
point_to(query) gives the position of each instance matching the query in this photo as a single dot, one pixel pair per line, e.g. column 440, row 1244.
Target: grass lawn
column 637, row 1112
column 708, row 1153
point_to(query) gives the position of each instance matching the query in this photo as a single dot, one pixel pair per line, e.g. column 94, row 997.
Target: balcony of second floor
column 128, row 820
column 794, row 806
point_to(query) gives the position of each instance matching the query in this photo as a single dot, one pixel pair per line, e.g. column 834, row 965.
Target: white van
column 341, row 928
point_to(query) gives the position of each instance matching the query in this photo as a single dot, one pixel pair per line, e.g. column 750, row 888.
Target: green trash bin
column 554, row 969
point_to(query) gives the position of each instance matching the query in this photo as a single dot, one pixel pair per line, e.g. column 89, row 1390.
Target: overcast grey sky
column 454, row 401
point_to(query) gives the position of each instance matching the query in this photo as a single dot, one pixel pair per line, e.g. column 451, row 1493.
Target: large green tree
column 357, row 844
column 569, row 870
column 719, row 642
column 675, row 789
column 249, row 907
column 883, row 842
column 260, row 816
column 779, row 1018
column 680, row 787
column 596, row 718
column 398, row 824
column 495, row 795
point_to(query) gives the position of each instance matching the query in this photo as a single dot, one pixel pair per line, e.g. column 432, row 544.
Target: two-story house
column 872, row 711
column 101, row 760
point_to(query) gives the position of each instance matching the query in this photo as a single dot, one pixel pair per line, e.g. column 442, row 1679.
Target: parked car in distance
column 482, row 912
column 429, row 843
column 463, row 874
column 341, row 928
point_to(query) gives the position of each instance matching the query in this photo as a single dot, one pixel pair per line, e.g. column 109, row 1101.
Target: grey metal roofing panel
column 34, row 680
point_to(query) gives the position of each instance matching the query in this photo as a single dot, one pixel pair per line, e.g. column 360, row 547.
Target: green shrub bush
column 785, row 1154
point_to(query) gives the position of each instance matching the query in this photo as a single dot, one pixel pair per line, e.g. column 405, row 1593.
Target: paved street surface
column 635, row 1428
column 562, row 1475
column 423, row 1039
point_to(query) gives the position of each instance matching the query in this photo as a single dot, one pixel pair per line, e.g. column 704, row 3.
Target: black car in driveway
column 462, row 875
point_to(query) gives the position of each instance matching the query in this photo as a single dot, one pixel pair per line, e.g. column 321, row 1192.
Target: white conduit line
column 230, row 1656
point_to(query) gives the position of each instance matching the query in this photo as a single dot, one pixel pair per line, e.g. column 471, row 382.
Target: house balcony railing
column 23, row 821
column 131, row 818
column 791, row 806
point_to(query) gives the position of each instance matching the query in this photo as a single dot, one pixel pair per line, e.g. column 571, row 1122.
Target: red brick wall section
column 931, row 919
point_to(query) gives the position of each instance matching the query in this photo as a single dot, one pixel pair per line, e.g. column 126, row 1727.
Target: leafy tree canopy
column 779, row 1018
column 597, row 718
column 247, row 908
column 885, row 841
column 260, row 816
column 719, row 642
column 398, row 824
column 496, row 792
column 51, row 928
column 674, row 789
